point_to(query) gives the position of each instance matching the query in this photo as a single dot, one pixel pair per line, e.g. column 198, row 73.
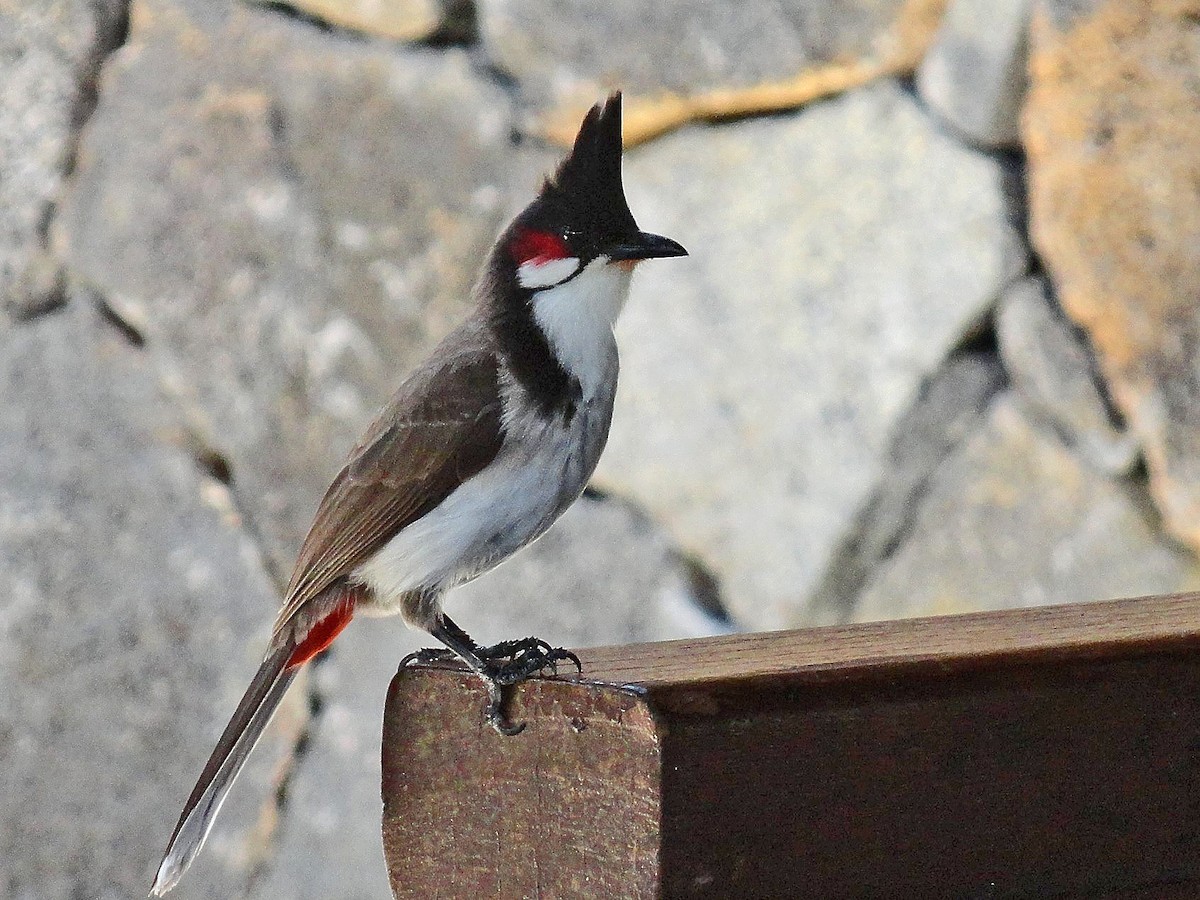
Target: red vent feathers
column 322, row 633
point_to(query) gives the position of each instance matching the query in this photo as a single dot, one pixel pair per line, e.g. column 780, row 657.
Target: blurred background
column 936, row 349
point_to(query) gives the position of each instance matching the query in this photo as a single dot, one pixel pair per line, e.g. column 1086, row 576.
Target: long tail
column 251, row 717
column 240, row 735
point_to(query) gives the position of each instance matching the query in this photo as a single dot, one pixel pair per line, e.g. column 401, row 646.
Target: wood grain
column 1031, row 753
column 1088, row 630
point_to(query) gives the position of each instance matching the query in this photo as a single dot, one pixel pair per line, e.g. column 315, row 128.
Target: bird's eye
column 538, row 247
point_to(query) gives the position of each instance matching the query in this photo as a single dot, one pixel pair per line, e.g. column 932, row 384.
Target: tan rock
column 1112, row 129
column 399, row 20
column 680, row 61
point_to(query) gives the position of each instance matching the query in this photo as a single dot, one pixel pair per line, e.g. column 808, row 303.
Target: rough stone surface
column 570, row 53
column 894, row 48
column 133, row 612
column 1114, row 171
column 291, row 218
column 1015, row 519
column 837, row 256
column 48, row 49
column 947, row 410
column 1055, row 376
column 602, row 575
column 974, row 74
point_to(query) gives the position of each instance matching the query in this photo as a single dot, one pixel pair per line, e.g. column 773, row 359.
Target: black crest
column 586, row 190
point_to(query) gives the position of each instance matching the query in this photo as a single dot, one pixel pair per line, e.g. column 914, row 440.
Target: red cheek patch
column 538, row 247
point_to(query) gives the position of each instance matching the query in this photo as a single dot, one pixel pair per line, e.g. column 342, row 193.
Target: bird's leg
column 450, row 651
column 512, row 661
column 468, row 651
column 500, row 665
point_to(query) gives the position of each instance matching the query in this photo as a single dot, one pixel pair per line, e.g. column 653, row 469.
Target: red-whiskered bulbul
column 482, row 447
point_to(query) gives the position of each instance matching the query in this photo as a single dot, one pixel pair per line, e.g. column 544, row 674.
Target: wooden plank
column 569, row 808
column 1018, row 754
column 1080, row 630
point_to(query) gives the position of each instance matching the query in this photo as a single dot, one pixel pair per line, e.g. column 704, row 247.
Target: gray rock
column 291, row 218
column 603, row 574
column 838, row 254
column 1054, row 374
column 134, row 611
column 1014, row 519
column 974, row 75
column 574, row 52
column 947, row 411
column 48, row 49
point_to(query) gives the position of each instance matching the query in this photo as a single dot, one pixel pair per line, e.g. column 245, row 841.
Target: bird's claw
column 428, row 655
column 512, row 648
column 506, row 663
column 511, row 662
column 495, row 715
column 531, row 660
column 526, row 657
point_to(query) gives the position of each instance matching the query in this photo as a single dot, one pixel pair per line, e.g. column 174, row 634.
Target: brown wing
column 442, row 426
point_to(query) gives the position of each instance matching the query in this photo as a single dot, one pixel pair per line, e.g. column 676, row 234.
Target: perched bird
column 482, row 447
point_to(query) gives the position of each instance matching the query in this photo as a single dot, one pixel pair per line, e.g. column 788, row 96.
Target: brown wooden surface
column 1033, row 753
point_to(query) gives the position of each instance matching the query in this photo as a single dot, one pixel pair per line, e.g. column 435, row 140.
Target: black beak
column 644, row 245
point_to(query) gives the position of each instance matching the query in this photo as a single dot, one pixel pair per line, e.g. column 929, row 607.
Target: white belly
column 495, row 513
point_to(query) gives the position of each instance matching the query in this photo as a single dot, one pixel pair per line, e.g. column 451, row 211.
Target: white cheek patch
column 534, row 274
column 578, row 318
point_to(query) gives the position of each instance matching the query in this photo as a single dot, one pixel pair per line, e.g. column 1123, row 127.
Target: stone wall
column 935, row 350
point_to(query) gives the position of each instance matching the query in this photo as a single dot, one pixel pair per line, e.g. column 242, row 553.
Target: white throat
column 578, row 318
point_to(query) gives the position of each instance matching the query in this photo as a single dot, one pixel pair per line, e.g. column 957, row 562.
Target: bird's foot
column 508, row 661
column 511, row 662
column 506, row 649
column 501, row 665
column 514, row 661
